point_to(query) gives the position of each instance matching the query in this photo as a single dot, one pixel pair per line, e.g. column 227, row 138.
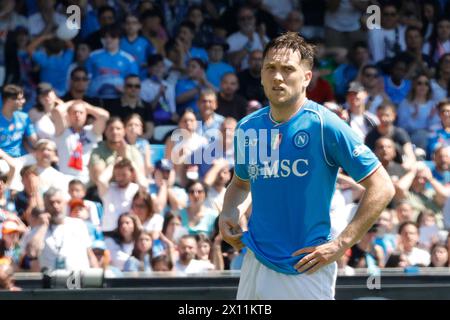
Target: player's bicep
column 345, row 149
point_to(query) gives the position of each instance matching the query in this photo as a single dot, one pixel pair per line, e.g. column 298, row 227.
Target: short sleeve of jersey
column 344, row 148
column 240, row 168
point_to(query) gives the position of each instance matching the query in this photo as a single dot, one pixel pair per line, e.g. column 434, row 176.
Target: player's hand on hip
column 231, row 232
column 317, row 257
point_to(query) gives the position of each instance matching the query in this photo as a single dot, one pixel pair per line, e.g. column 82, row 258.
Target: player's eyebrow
column 282, row 64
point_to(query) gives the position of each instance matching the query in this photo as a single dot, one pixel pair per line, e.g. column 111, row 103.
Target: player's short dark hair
column 442, row 104
column 11, row 91
column 292, row 40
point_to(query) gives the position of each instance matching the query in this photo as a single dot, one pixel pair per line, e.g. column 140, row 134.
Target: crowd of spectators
column 91, row 175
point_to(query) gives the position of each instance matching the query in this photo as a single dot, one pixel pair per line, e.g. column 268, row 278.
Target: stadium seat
column 160, row 132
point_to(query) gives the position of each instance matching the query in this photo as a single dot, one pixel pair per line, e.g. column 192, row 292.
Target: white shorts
column 258, row 282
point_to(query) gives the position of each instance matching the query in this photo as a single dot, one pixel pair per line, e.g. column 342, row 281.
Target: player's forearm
column 236, row 202
column 375, row 199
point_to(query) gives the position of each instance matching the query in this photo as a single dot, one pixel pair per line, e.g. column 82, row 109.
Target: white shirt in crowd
column 381, row 42
column 418, row 256
column 194, row 266
column 150, row 90
column 120, row 252
column 69, row 241
column 115, row 202
column 237, row 42
column 67, row 142
column 345, row 19
column 155, row 223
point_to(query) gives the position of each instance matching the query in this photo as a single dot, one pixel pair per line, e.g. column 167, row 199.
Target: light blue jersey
column 293, row 185
column 13, row 131
column 108, row 71
column 140, row 49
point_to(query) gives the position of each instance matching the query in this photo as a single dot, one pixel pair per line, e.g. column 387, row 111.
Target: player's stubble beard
column 291, row 104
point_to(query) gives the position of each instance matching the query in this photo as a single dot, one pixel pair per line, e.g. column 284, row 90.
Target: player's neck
column 7, row 112
column 282, row 114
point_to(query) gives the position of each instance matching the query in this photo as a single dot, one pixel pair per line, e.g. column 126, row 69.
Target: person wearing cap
column 217, row 67
column 360, row 120
column 78, row 209
column 12, row 228
column 40, row 113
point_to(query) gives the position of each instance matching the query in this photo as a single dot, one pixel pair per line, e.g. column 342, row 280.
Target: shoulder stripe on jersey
column 253, row 117
column 369, row 174
column 323, row 136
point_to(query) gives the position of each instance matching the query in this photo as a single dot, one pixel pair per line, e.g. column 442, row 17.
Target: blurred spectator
column 46, row 19
column 183, row 40
column 210, row 120
column 441, row 137
column 203, row 30
column 173, row 229
column 78, row 86
column 106, row 16
column 439, row 42
column 77, row 191
column 31, row 197
column 134, row 44
column 409, row 237
column 319, row 90
column 386, row 115
column 217, row 180
column 294, row 21
column 41, row 113
column 388, row 40
column 361, row 121
column 79, row 210
column 441, row 80
column 130, row 102
column 229, row 102
column 397, row 260
column 141, row 256
column 6, row 177
column 134, row 135
column 7, row 278
column 430, row 10
column 158, row 92
column 440, row 165
column 372, row 82
column 116, row 189
column 417, row 61
column 343, row 22
column 188, row 89
column 187, row 263
column 10, row 20
column 439, row 256
column 196, row 217
column 143, row 207
column 45, row 156
column 358, row 57
column 179, row 150
column 120, row 242
column 61, row 242
column 75, row 139
column 428, row 229
column 396, row 86
column 12, row 230
column 404, row 212
column 386, row 236
column 246, row 40
column 112, row 150
column 417, row 113
column 153, row 30
column 385, row 151
column 253, row 106
column 82, row 53
column 17, row 134
column 173, row 12
column 208, row 252
column 250, row 86
column 54, row 61
column 217, row 68
column 367, row 254
column 109, row 66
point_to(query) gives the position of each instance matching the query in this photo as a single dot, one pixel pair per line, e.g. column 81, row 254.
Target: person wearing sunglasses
column 78, row 85
column 196, row 217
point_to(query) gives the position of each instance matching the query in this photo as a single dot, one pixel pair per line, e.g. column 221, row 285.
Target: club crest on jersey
column 301, row 139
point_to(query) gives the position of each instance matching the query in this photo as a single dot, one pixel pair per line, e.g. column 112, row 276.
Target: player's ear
column 308, row 77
